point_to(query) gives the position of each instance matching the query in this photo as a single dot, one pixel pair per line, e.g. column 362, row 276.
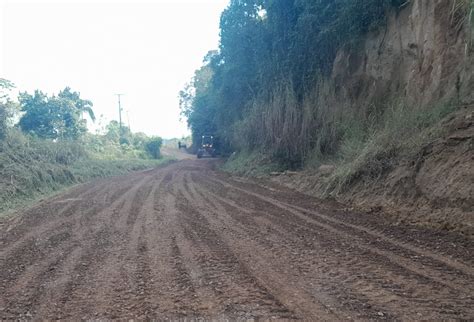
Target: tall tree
column 54, row 117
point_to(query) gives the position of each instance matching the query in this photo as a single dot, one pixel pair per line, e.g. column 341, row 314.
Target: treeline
column 61, row 118
column 255, row 91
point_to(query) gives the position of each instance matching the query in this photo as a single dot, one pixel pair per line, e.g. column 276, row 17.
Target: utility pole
column 128, row 121
column 120, row 115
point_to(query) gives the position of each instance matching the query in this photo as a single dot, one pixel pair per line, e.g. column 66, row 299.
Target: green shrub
column 153, row 146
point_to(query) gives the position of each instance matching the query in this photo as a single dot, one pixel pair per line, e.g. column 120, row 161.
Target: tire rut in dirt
column 277, row 245
column 37, row 259
column 371, row 237
column 237, row 293
column 450, row 301
column 452, row 249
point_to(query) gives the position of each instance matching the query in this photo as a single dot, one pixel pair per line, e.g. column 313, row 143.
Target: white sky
column 147, row 50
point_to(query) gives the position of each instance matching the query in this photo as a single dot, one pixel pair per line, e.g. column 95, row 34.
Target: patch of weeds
column 371, row 152
column 251, row 164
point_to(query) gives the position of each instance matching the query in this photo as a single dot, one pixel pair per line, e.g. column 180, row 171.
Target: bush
column 153, row 146
column 30, row 167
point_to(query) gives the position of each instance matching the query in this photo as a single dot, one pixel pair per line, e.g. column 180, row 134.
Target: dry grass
column 402, row 132
column 361, row 147
column 462, row 16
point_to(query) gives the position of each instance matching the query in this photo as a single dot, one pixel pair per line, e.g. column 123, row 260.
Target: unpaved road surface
column 189, row 241
column 178, row 154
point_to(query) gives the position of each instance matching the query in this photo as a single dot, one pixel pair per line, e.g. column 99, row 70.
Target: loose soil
column 188, row 241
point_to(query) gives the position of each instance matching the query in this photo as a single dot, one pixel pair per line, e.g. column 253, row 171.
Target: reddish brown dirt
column 189, row 241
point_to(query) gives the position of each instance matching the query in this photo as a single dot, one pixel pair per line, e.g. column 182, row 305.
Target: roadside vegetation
column 370, row 150
column 45, row 145
column 257, row 90
column 263, row 92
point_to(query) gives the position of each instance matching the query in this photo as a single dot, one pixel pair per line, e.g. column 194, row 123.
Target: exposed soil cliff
column 422, row 57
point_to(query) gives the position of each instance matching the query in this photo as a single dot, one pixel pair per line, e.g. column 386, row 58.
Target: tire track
column 187, row 242
column 353, row 231
column 49, row 257
column 284, row 246
column 467, row 268
column 216, row 218
column 217, row 262
column 417, row 276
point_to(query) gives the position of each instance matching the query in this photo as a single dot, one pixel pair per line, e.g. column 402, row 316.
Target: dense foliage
column 54, row 117
column 60, row 117
column 272, row 54
column 153, row 146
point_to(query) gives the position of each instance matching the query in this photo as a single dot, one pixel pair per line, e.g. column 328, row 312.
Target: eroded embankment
column 421, row 59
column 431, row 186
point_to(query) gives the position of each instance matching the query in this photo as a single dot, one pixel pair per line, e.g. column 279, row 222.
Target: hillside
column 421, row 59
column 372, row 100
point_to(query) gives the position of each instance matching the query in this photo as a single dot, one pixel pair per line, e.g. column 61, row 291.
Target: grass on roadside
column 401, row 133
column 35, row 184
column 33, row 168
column 251, row 164
column 368, row 148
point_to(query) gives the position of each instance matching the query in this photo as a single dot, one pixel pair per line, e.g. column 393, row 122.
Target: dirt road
column 189, row 241
column 178, row 154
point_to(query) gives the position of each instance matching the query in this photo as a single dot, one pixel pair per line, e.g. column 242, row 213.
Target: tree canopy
column 54, row 117
column 268, row 46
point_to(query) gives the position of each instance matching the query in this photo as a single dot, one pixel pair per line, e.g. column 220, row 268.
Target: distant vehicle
column 207, row 147
column 181, row 145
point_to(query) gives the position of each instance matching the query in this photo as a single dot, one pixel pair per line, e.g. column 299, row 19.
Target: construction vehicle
column 207, row 147
column 181, row 145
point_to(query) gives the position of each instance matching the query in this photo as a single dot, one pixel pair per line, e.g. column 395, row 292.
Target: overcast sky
column 147, row 50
